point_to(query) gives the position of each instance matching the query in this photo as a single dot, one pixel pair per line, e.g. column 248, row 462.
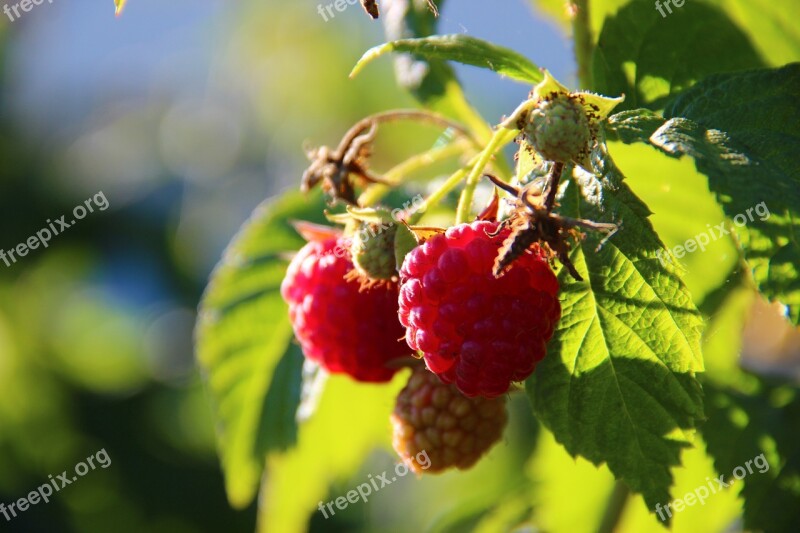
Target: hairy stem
column 500, row 138
column 473, row 171
column 436, row 196
column 366, row 123
column 393, row 176
column 555, row 179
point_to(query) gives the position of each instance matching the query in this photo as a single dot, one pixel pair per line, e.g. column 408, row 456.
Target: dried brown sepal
column 423, row 233
column 366, row 283
column 335, row 170
column 523, row 234
column 533, row 223
column 314, row 232
column 489, row 213
column 371, row 7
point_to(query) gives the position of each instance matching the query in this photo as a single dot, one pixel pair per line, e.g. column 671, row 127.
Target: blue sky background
column 154, row 105
column 71, row 56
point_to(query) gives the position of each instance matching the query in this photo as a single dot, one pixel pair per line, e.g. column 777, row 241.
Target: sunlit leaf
column 618, row 384
column 752, row 433
column 769, row 25
column 243, row 334
column 651, row 58
column 671, row 188
column 461, row 49
column 743, row 131
column 352, row 419
column 431, row 81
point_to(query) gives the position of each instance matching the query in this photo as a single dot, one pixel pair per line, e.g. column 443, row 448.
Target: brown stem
column 503, row 185
column 367, row 123
column 555, row 178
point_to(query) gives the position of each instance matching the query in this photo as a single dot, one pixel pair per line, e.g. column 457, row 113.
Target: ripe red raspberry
column 343, row 328
column 475, row 330
column 433, row 420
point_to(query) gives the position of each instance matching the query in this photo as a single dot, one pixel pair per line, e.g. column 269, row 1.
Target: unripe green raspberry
column 373, row 250
column 558, row 129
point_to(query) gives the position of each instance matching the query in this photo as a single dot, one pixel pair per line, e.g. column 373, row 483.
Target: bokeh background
column 186, row 115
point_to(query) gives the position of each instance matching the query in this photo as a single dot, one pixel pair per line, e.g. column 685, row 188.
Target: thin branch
column 584, row 41
column 614, row 508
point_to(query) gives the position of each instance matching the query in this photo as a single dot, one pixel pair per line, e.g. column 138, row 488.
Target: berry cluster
column 478, row 333
column 478, row 301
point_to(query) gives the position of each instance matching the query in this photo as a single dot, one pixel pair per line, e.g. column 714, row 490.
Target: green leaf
column 461, row 49
column 243, row 336
column 432, row 82
column 769, row 25
column 560, row 11
column 743, row 131
column 748, row 416
column 744, row 423
column 618, row 384
column 635, row 125
column 671, row 188
column 278, row 429
column 352, row 420
column 650, row 58
column 558, row 478
column 404, row 242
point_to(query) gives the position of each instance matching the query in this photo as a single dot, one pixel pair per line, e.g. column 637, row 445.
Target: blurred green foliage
column 96, row 331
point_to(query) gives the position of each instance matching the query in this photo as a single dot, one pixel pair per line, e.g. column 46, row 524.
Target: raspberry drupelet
column 342, row 327
column 477, row 331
